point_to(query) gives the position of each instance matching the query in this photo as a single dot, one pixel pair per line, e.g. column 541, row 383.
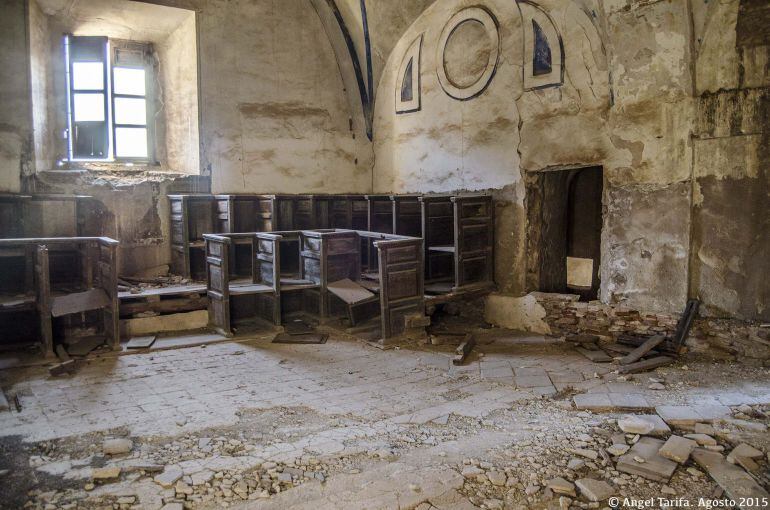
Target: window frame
column 72, row 124
column 110, row 49
column 149, row 92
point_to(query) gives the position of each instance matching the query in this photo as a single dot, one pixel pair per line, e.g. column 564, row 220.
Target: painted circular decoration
column 467, row 53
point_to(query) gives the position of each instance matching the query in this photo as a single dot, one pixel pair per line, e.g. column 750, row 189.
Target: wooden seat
column 62, row 276
column 91, row 299
column 349, row 291
column 443, row 249
column 244, row 289
column 16, row 302
column 164, row 291
column 297, row 284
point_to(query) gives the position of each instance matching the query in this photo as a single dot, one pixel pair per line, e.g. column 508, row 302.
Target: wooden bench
column 459, row 242
column 328, row 282
column 73, row 279
column 242, row 300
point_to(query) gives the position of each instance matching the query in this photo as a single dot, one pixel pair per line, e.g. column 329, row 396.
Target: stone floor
column 343, row 425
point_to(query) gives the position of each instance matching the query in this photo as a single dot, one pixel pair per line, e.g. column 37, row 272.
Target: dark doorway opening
column 564, row 209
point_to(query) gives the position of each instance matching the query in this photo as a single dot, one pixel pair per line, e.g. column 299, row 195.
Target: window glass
column 541, row 60
column 130, row 111
column 88, row 76
column 130, row 142
column 89, row 107
column 128, row 81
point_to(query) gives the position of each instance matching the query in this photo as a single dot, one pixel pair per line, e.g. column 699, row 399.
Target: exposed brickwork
column 565, row 314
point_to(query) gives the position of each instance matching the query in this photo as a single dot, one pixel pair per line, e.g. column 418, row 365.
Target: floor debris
column 595, row 355
column 66, row 367
column 652, row 465
column 141, row 342
column 645, row 365
column 642, row 350
column 84, row 346
column 307, row 338
column 464, row 349
column 737, row 484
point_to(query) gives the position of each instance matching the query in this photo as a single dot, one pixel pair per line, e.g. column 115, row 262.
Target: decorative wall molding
column 408, row 91
column 489, row 23
column 543, row 64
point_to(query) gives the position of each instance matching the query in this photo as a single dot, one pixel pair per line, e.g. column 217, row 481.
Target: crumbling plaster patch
column 519, row 313
column 644, row 257
column 130, row 207
column 731, row 190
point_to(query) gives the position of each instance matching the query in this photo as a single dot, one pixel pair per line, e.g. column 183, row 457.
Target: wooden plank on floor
column 643, row 349
column 85, row 345
column 349, row 291
column 597, row 356
column 91, row 299
column 141, row 342
column 464, row 349
column 648, row 364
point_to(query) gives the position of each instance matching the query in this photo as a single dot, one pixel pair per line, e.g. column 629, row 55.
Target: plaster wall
column 731, row 147
column 178, row 99
column 15, row 108
column 40, row 86
column 629, row 102
column 275, row 114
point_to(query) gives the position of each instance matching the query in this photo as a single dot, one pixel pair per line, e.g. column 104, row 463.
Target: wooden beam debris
column 464, row 349
column 645, row 365
column 643, row 349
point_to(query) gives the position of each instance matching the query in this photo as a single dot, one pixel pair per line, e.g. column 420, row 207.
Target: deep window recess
column 108, row 84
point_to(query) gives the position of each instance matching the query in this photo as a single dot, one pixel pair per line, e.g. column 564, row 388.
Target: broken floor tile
column 737, row 484
column 594, row 490
column 653, row 466
column 678, row 449
column 702, row 439
column 602, row 402
column 633, row 424
column 688, row 416
column 561, row 486
column 532, row 381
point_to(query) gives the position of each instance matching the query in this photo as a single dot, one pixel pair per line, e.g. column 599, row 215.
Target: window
column 541, row 59
column 108, row 86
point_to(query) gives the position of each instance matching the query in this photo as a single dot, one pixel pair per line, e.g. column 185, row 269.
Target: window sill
column 113, row 173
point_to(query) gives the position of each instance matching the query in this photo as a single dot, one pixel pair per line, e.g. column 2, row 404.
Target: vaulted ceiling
column 363, row 33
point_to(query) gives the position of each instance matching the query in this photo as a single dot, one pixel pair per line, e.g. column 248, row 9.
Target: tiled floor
column 175, row 392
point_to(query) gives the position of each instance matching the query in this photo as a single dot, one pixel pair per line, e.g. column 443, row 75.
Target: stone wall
column 564, row 315
column 731, row 146
column 130, row 207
